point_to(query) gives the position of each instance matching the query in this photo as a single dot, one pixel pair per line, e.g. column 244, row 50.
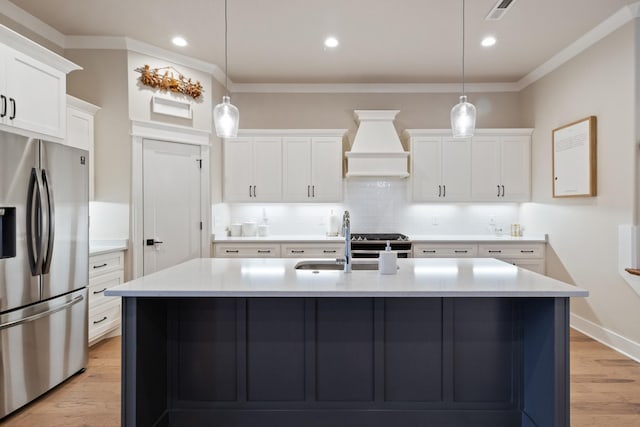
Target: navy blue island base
column 345, row 361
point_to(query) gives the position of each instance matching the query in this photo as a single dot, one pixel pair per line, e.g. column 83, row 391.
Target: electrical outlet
column 492, row 220
column 435, row 220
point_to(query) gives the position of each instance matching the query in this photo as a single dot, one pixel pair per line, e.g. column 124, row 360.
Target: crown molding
column 371, row 87
column 32, row 23
column 599, row 32
column 608, row 26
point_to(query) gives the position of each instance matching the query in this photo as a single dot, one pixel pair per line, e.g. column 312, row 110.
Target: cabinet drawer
column 445, row 250
column 512, row 251
column 100, row 283
column 535, row 265
column 105, row 263
column 247, row 250
column 312, row 251
column 104, row 319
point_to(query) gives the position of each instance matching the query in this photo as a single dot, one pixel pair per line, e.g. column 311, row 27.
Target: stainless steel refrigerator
column 44, row 256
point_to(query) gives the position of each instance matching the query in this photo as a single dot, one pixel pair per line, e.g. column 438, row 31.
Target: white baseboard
column 609, row 338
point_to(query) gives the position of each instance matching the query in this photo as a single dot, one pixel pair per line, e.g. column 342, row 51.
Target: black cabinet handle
column 250, row 192
column 502, row 190
column 428, row 252
column 4, row 106
column 254, row 191
column 99, row 292
column 439, row 190
column 526, row 252
column 498, row 190
column 313, row 191
column 229, row 251
column 95, row 322
column 268, row 251
column 444, row 191
column 326, row 251
column 308, row 191
column 293, row 251
column 461, row 252
column 13, row 104
column 95, row 267
column 495, row 252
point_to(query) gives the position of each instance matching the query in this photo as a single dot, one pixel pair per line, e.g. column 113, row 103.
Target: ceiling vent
column 499, row 10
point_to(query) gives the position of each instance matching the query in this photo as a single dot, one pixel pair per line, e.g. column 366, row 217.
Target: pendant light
column 463, row 114
column 226, row 115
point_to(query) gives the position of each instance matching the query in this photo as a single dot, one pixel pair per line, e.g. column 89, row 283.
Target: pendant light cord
column 226, row 75
column 463, row 1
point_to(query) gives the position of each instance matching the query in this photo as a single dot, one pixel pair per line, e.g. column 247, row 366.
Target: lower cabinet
column 312, row 250
column 246, row 250
column 105, row 271
column 530, row 256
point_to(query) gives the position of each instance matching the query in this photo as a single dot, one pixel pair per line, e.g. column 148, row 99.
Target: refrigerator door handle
column 51, row 224
column 43, row 314
column 35, row 210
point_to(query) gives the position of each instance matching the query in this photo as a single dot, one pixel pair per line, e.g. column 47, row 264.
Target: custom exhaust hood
column 377, row 150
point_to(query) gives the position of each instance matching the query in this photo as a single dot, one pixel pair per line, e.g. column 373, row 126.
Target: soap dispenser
column 387, row 261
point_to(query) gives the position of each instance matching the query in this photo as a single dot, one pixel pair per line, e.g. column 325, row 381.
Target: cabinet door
column 36, row 95
column 297, row 169
column 238, row 170
column 267, row 167
column 485, row 169
column 515, row 159
column 80, row 135
column 426, row 173
column 326, row 170
column 456, row 169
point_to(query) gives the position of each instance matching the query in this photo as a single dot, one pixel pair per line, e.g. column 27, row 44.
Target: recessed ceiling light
column 331, row 42
column 488, row 41
column 179, row 41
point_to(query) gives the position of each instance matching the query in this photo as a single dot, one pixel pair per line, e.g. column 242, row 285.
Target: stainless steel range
column 369, row 245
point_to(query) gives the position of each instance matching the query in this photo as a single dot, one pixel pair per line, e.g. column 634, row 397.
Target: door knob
column 151, row 242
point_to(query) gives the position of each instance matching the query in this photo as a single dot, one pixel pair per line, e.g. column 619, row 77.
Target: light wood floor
column 605, row 391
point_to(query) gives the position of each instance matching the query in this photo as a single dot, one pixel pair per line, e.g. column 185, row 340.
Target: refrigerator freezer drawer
column 41, row 346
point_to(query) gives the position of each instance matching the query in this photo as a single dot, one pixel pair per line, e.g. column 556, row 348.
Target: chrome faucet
column 346, row 230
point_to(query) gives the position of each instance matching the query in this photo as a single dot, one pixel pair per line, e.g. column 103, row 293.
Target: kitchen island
column 257, row 342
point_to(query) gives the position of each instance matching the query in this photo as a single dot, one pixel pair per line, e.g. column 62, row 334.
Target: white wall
column 583, row 232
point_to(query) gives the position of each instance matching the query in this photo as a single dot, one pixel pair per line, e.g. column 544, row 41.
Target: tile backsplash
column 375, row 205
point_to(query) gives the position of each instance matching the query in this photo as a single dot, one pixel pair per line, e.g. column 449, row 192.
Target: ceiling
column 381, row 41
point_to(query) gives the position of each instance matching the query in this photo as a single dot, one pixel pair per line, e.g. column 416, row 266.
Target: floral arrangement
column 168, row 81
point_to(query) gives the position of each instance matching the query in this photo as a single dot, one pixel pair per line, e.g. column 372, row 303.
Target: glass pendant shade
column 463, row 118
column 226, row 118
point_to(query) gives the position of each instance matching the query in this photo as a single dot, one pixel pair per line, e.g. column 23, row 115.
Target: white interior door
column 171, row 193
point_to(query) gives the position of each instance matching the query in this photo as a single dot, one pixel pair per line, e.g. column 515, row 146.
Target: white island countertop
column 277, row 277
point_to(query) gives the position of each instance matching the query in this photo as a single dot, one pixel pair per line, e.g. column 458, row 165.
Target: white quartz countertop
column 416, row 277
column 417, row 238
column 99, row 247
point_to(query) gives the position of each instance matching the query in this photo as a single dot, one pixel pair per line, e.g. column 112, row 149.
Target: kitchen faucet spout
column 346, row 230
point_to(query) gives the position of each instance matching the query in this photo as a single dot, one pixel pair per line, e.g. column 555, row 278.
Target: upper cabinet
column 492, row 166
column 283, row 165
column 80, row 131
column 440, row 168
column 312, row 169
column 253, row 169
column 501, row 167
column 32, row 88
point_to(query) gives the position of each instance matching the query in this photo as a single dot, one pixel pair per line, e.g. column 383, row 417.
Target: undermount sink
column 334, row 265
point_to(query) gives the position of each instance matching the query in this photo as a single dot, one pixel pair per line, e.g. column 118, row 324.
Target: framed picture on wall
column 574, row 159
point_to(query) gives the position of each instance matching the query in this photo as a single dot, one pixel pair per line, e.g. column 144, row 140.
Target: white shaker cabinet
column 253, row 169
column 440, row 168
column 32, row 87
column 501, row 167
column 105, row 271
column 312, row 169
column 80, row 131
